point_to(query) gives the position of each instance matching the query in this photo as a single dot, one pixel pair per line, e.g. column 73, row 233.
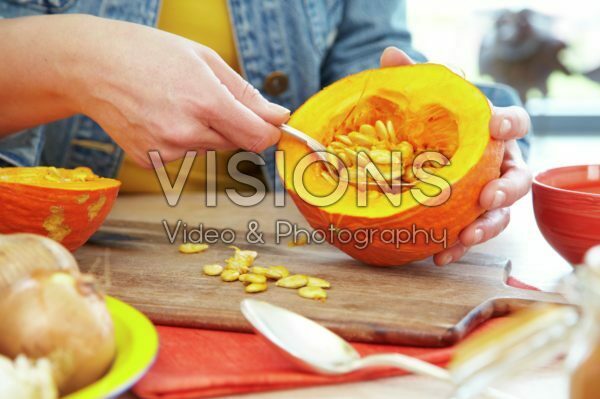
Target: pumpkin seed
column 344, row 157
column 282, row 270
column 230, row 275
column 53, row 178
column 259, row 270
column 317, row 282
column 294, row 281
column 256, row 287
column 336, row 145
column 382, row 131
column 406, row 150
column 351, row 155
column 363, row 159
column 381, row 156
column 191, row 248
column 368, row 130
column 408, row 175
column 212, row 270
column 244, row 253
column 252, row 278
column 344, row 139
column 391, row 131
column 317, row 293
column 361, row 138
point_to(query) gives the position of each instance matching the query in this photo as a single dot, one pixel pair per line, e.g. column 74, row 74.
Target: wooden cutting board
column 418, row 304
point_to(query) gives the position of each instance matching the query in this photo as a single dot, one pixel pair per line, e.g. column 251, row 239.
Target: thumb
column 245, row 93
column 393, row 56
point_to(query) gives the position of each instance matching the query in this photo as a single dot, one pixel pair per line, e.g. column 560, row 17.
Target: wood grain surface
column 418, row 304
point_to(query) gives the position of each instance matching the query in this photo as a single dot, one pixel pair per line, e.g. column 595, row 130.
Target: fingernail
column 279, row 109
column 505, row 127
column 477, row 236
column 445, row 260
column 499, row 199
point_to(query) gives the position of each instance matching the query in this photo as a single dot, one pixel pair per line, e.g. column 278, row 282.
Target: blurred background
column 546, row 49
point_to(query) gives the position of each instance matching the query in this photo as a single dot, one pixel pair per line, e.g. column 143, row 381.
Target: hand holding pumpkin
column 508, row 124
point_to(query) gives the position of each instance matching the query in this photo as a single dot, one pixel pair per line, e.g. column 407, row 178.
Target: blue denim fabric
column 78, row 140
column 314, row 42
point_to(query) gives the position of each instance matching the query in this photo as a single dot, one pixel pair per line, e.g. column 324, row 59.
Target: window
column 452, row 32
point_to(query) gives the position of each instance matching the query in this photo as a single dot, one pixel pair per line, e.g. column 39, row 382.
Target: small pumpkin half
column 410, row 110
column 66, row 205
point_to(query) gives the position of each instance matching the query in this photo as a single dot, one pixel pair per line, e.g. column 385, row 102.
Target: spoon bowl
column 310, row 345
column 317, row 349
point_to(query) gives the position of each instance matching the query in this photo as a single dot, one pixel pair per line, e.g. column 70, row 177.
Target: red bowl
column 566, row 202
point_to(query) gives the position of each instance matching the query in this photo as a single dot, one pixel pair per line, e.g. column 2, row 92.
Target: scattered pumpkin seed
column 230, row 275
column 191, row 248
column 252, row 278
column 317, row 282
column 301, row 240
column 313, row 293
column 256, row 287
column 282, row 270
column 212, row 270
column 294, row 281
column 259, row 270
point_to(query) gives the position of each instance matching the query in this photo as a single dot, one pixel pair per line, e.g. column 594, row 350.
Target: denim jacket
column 312, row 42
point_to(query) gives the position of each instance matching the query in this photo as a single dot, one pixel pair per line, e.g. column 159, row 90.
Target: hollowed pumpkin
column 426, row 108
column 67, row 205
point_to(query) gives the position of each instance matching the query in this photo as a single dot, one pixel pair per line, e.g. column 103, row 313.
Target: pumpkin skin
column 394, row 93
column 66, row 205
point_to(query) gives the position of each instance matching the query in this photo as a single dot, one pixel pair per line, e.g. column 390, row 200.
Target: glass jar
column 584, row 357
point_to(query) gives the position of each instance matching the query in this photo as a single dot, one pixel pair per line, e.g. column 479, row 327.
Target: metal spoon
column 321, row 152
column 317, row 349
column 317, row 148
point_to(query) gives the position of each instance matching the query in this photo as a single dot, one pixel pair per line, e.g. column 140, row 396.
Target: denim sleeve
column 365, row 30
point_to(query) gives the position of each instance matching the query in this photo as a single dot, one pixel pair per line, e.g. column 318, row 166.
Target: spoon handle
column 312, row 143
column 420, row 367
column 407, row 363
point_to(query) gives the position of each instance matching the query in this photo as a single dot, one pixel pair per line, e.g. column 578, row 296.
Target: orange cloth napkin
column 196, row 363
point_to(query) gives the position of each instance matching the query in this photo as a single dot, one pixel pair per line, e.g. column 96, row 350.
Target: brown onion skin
column 62, row 316
column 20, row 254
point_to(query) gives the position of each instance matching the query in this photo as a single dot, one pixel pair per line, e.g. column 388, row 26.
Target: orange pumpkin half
column 67, row 205
column 410, row 110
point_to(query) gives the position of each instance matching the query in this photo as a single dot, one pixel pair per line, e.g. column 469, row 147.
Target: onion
column 20, row 254
column 26, row 379
column 59, row 315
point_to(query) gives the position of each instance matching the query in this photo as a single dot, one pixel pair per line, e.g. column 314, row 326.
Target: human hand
column 152, row 90
column 507, row 124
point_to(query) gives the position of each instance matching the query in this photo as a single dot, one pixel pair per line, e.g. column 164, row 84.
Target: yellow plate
column 137, row 345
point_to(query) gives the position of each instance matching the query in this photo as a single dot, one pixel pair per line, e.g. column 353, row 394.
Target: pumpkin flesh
column 67, row 205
